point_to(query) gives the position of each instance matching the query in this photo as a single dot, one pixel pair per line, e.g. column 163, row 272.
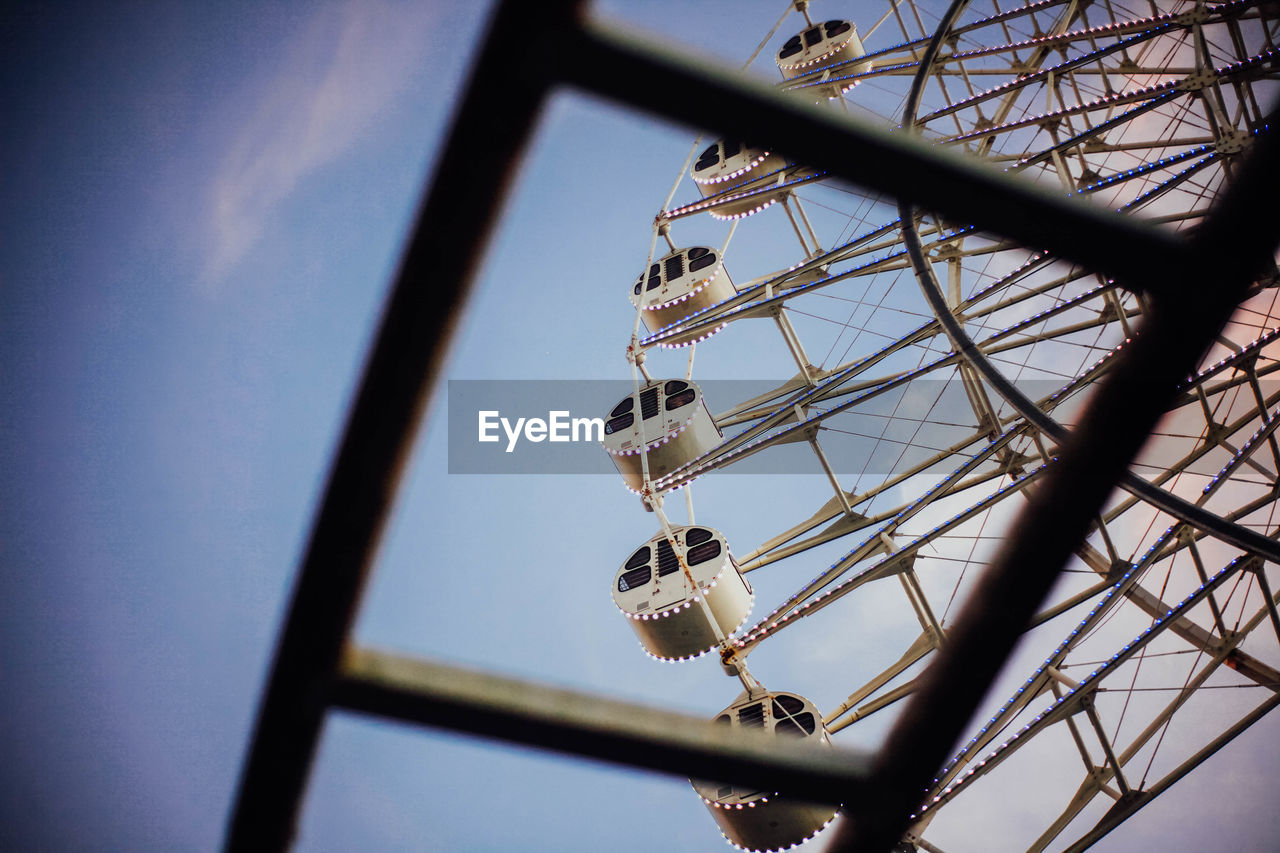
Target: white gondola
column 685, row 281
column 755, row 819
column 665, row 610
column 740, row 175
column 830, row 46
column 670, row 421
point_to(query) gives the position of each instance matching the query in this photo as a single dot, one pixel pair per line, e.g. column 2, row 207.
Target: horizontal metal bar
column 525, row 712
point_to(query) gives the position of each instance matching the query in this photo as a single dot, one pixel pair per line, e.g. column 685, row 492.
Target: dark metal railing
column 1192, row 285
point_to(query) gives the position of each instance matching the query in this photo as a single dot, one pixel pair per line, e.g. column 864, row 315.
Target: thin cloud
column 343, row 70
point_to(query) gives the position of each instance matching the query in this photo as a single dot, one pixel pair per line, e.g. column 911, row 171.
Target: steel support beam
column 1130, row 805
column 656, row 78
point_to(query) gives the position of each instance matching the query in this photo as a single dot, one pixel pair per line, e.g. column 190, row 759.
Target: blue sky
column 202, row 207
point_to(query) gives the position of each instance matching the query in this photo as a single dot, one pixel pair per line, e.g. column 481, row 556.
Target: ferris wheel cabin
column 754, row 819
column 830, row 46
column 670, row 423
column 740, row 172
column 677, row 285
column 654, row 593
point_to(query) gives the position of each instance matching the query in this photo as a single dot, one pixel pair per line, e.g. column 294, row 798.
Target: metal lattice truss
column 1077, row 212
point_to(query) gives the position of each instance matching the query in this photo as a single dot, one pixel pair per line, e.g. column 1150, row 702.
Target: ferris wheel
column 937, row 369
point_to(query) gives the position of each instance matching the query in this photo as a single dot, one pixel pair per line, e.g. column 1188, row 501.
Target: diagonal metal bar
column 532, row 714
column 1114, row 424
column 442, row 254
column 1112, row 428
